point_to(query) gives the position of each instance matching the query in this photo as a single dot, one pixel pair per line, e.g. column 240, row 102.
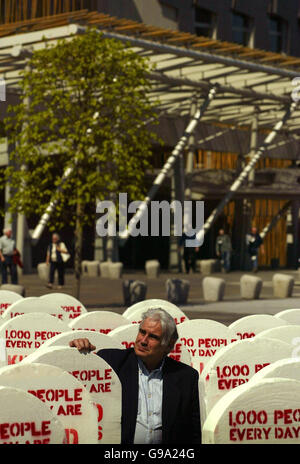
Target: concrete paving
column 107, row 294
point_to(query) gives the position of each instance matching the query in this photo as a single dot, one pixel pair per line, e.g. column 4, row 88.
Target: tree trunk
column 78, row 250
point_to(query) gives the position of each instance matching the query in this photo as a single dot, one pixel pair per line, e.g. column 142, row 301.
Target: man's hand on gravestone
column 82, row 344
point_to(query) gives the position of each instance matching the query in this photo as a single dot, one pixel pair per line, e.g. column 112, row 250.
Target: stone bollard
column 43, row 271
column 152, row 268
column 134, row 291
column 14, row 288
column 104, row 269
column 213, row 288
column 282, row 285
column 208, row 266
column 250, row 287
column 177, row 290
column 92, row 268
column 115, row 270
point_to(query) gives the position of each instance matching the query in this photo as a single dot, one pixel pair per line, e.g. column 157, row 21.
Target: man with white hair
column 7, row 252
column 160, row 398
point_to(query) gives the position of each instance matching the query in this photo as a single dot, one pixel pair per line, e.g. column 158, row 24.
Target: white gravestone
column 24, row 334
column 34, row 305
column 234, row 365
column 292, row 316
column 151, row 303
column 286, row 333
column 135, row 317
column 98, row 339
column 126, row 336
column 7, row 298
column 68, row 303
column 203, row 338
column 283, row 368
column 26, row 420
column 99, row 379
column 250, row 326
column 263, row 412
column 65, row 396
column 99, row 321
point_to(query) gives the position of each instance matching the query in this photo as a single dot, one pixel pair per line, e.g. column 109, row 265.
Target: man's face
column 148, row 343
column 254, row 230
column 8, row 233
column 54, row 238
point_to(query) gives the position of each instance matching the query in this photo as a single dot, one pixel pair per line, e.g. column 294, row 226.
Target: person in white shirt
column 7, row 252
column 56, row 261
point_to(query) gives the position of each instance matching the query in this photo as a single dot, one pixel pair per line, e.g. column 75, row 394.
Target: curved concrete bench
column 282, row 285
column 250, row 287
column 115, row 270
column 152, row 268
column 92, row 268
column 213, row 288
column 208, row 266
column 43, row 271
column 104, row 269
column 177, row 290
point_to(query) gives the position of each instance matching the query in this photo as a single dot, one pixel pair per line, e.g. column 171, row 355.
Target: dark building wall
column 179, row 15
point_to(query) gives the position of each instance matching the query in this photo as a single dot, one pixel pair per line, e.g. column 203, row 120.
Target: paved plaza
column 98, row 293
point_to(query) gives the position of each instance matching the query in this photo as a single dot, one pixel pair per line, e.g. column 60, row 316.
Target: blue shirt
column 149, row 419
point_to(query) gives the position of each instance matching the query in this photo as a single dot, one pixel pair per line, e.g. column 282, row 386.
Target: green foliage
column 86, row 101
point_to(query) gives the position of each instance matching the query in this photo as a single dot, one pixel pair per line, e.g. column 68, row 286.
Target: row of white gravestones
column 61, row 305
column 22, row 332
column 266, row 409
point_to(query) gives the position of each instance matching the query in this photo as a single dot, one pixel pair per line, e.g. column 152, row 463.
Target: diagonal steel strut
column 244, row 174
column 124, row 235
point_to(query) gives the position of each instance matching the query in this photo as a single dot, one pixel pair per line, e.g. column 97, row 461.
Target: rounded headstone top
column 288, row 368
column 291, row 316
column 250, row 326
column 286, row 333
column 68, row 303
column 33, row 305
column 98, row 339
column 150, row 303
column 7, row 297
column 101, row 321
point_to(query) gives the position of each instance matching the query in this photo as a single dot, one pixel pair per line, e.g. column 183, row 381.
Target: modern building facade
column 251, row 50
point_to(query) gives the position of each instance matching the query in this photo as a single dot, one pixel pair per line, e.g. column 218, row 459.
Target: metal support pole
column 50, row 208
column 244, row 174
column 253, row 147
column 124, row 235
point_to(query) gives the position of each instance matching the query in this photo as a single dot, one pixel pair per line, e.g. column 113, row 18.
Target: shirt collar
column 145, row 370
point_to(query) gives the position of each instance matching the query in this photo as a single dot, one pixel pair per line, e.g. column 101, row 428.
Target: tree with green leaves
column 84, row 105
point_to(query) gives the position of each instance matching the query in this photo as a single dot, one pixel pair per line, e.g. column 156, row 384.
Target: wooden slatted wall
column 263, row 209
column 19, row 10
